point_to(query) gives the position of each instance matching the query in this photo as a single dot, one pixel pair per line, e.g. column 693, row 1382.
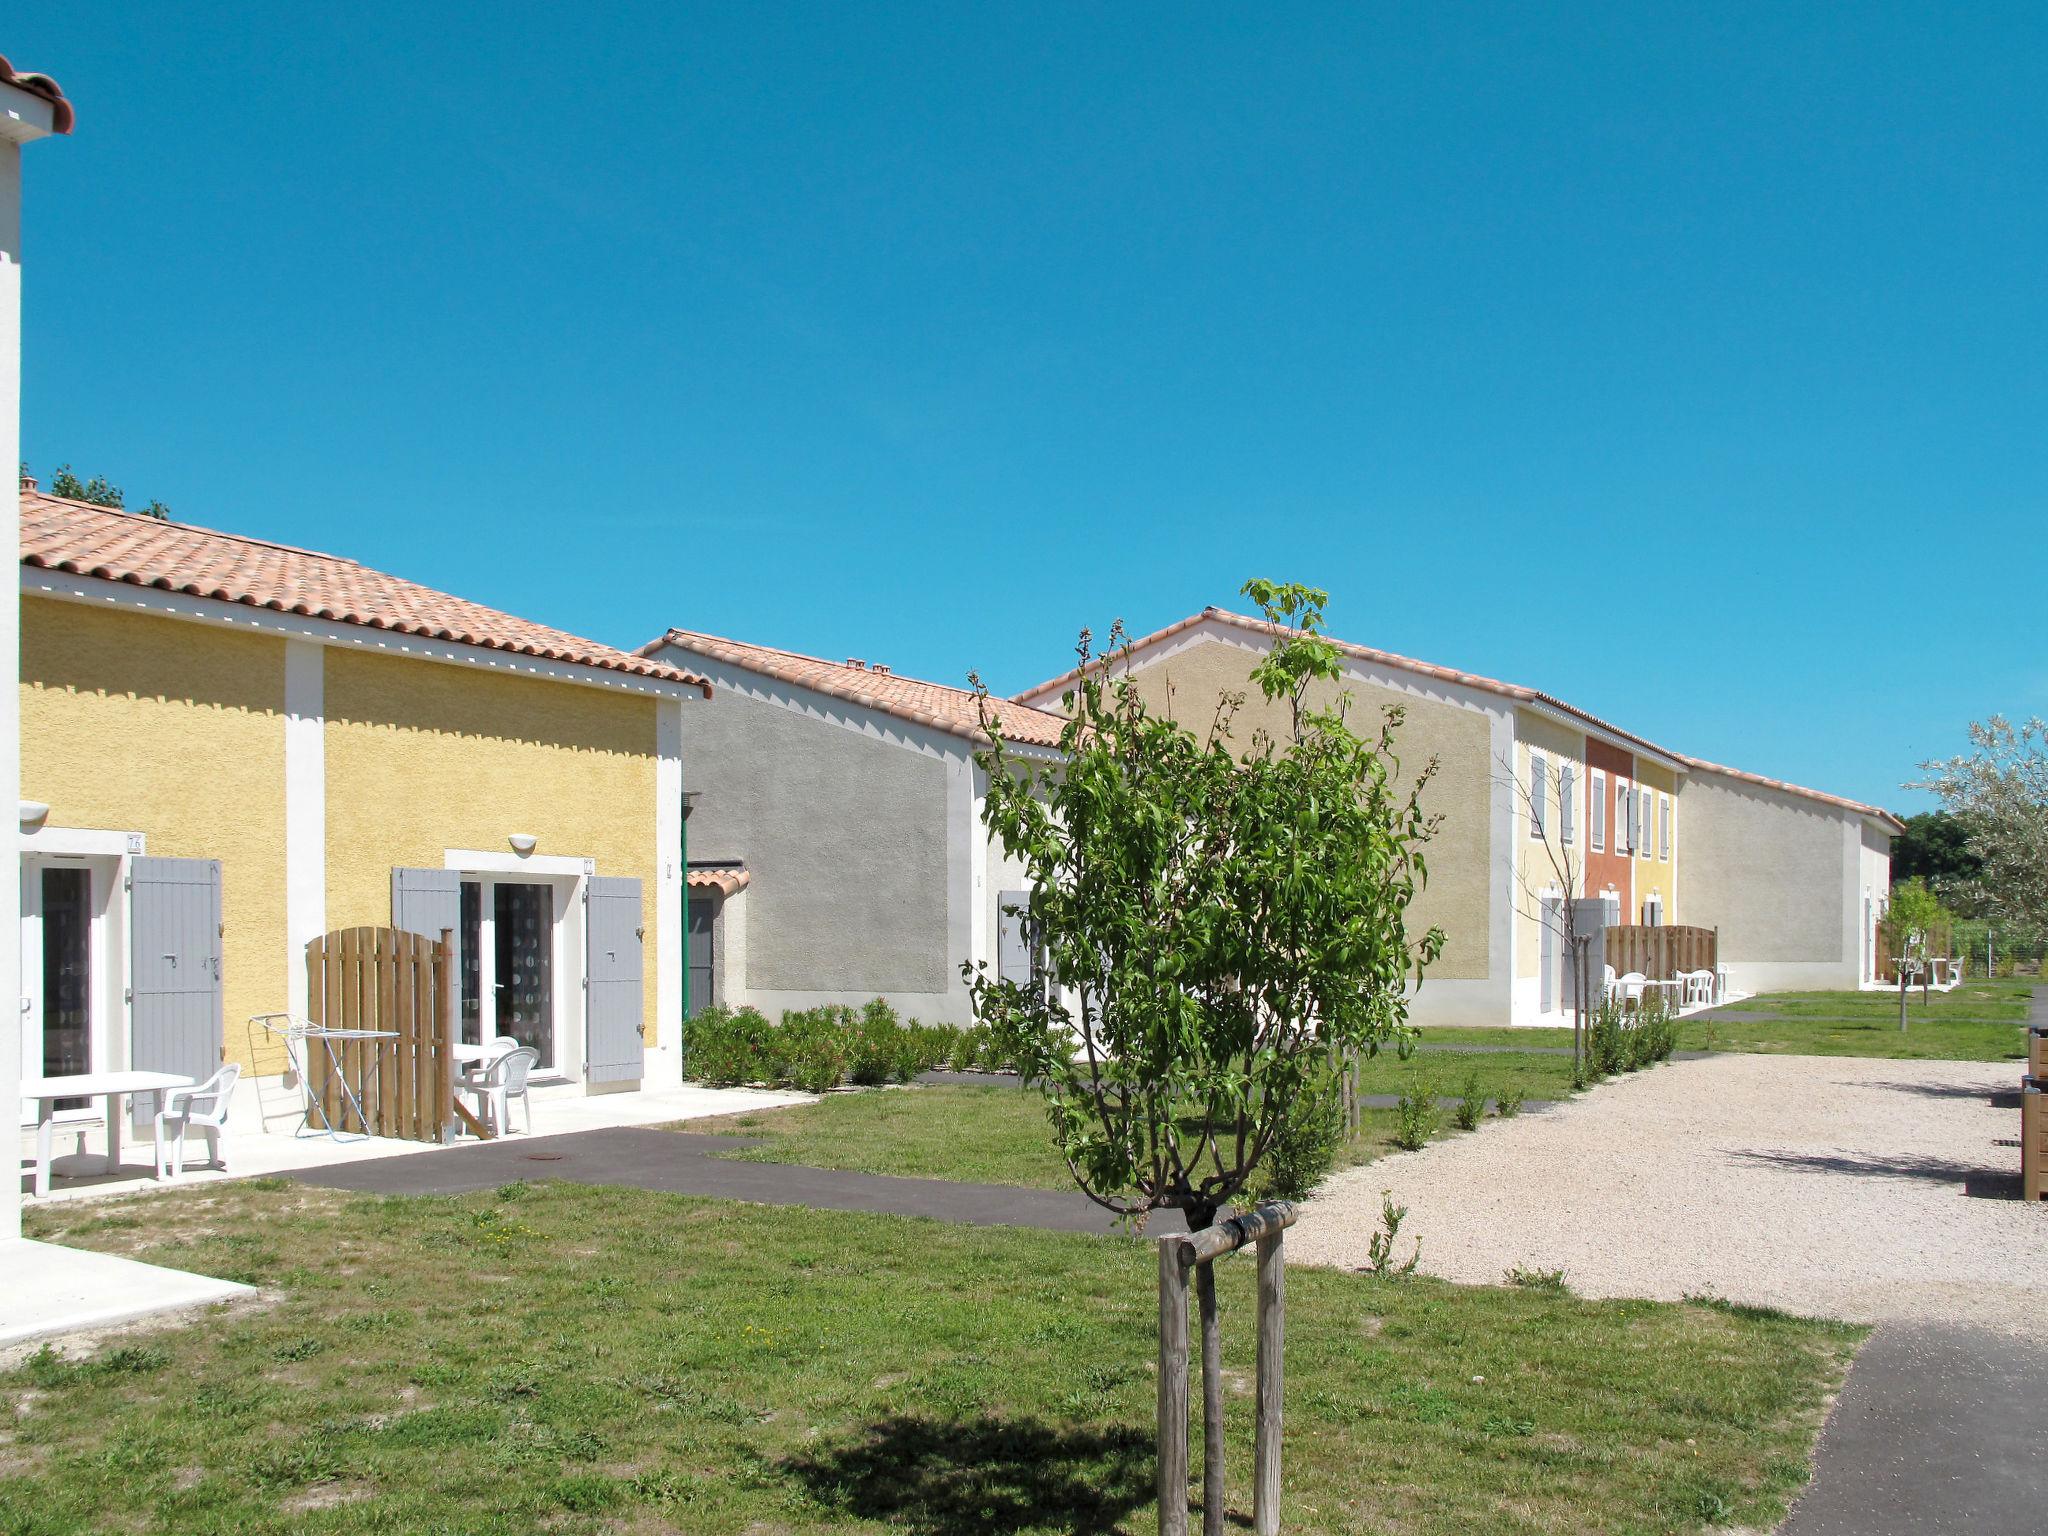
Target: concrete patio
column 265, row 1120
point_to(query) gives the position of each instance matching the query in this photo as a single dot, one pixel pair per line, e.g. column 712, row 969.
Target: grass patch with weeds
column 1982, row 1020
column 642, row 1362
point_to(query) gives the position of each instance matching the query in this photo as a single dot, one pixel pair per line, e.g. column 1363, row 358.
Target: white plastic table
column 112, row 1086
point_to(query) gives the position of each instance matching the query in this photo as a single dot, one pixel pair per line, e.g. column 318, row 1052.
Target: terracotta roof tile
column 84, row 540
column 62, row 116
column 1485, row 685
column 727, row 882
column 953, row 710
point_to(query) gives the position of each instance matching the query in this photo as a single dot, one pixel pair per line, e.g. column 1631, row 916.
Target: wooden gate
column 1661, row 952
column 384, row 979
column 1937, row 940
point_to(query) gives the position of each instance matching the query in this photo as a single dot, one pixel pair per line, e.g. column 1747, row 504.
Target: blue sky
column 1688, row 364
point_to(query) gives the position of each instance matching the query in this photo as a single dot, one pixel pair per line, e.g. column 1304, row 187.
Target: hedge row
column 816, row 1049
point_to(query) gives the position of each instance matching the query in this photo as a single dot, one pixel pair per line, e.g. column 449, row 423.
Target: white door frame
column 566, row 954
column 105, row 856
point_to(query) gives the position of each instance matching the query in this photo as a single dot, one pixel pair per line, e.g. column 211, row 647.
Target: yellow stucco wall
column 1655, row 875
column 1455, row 899
column 1537, row 872
column 422, row 758
column 132, row 723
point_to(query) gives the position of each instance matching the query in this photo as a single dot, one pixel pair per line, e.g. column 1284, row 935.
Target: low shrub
column 1379, row 1248
column 1303, row 1150
column 1416, row 1116
column 814, row 1045
column 815, row 1049
column 1607, row 1044
column 724, row 1047
column 1536, row 1279
column 1509, row 1104
column 1472, row 1104
column 874, row 1048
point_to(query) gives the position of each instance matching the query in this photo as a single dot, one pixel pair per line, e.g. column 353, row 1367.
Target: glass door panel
column 67, row 974
column 524, row 917
column 470, row 1014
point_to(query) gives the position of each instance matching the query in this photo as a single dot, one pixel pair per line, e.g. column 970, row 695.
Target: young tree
column 1220, row 929
column 1559, row 904
column 2000, row 790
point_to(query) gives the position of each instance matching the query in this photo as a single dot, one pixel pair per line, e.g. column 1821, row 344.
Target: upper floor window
column 1624, row 816
column 1539, row 795
column 1664, row 827
column 1567, row 803
column 1596, row 831
column 1646, row 823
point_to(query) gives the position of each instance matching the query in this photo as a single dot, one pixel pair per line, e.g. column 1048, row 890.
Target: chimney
column 28, row 481
column 878, row 667
column 856, row 663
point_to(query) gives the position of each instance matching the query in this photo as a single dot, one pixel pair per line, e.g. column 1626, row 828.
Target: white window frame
column 106, row 856
column 566, row 953
column 1596, row 828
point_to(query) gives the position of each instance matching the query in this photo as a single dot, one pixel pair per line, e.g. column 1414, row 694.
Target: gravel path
column 1868, row 1190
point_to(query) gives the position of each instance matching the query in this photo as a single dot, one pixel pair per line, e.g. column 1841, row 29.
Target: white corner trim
column 668, row 877
column 305, row 809
column 37, row 581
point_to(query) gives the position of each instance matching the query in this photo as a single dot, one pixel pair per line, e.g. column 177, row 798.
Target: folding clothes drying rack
column 299, row 1037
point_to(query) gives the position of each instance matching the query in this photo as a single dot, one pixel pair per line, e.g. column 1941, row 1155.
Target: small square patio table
column 112, row 1086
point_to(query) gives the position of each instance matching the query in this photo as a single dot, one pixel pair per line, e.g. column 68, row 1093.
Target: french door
column 508, row 963
column 60, row 947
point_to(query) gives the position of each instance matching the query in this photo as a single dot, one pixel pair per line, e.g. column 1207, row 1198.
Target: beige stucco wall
column 1772, row 872
column 422, row 758
column 1535, row 864
column 132, row 723
column 1188, row 683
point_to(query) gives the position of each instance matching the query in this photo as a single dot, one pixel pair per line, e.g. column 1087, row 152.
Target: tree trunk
column 1212, row 1386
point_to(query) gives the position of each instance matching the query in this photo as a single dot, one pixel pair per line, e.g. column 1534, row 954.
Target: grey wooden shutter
column 1567, row 803
column 1013, row 936
column 174, row 1016
column 427, row 901
column 1539, row 797
column 615, row 1046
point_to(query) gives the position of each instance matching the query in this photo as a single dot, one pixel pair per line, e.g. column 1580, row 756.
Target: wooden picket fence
column 385, row 979
column 1661, row 952
column 1938, row 942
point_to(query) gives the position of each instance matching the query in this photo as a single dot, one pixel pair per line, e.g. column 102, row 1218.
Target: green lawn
column 1979, row 1021
column 580, row 1360
column 998, row 1135
column 1524, row 1038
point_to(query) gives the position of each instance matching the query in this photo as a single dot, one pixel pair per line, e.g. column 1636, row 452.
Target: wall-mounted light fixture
column 34, row 813
column 523, row 843
column 690, row 798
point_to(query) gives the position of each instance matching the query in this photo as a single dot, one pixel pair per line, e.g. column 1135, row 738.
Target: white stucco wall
column 22, row 117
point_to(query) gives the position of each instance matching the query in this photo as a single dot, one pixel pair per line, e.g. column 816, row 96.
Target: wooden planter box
column 2033, row 1138
column 2037, row 1050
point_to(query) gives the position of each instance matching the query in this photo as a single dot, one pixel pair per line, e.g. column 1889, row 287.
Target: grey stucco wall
column 845, row 837
column 1772, row 871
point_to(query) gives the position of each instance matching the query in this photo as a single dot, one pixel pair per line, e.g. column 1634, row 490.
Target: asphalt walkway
column 681, row 1163
column 1940, row 1428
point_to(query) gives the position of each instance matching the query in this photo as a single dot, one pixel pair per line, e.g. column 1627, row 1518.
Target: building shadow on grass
column 983, row 1476
column 1974, row 1178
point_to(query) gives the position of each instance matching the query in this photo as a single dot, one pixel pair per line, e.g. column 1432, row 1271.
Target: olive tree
column 1999, row 791
column 1222, row 925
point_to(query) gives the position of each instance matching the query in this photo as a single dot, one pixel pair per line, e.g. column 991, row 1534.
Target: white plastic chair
column 476, row 1071
column 502, row 1082
column 181, row 1112
column 1606, row 982
column 1699, row 988
column 1631, row 988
